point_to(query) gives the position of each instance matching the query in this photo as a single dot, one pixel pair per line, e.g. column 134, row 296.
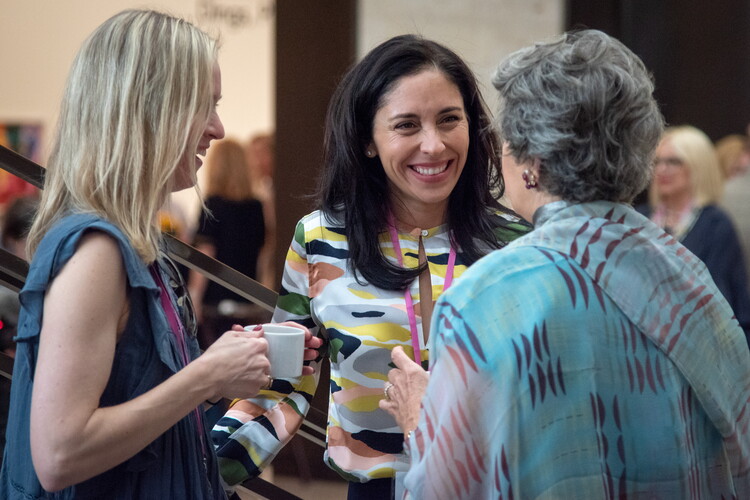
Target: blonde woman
column 686, row 188
column 108, row 387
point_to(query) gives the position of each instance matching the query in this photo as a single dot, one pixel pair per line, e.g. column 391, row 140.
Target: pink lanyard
column 407, row 294
column 174, row 320
column 179, row 332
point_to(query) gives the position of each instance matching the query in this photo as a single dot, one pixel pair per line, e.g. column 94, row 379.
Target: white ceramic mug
column 286, row 348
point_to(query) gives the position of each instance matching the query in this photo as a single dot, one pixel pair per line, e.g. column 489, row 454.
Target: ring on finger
column 387, row 387
column 270, row 382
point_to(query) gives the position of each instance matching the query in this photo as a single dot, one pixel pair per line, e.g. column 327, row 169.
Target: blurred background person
column 734, row 159
column 683, row 200
column 232, row 231
column 594, row 357
column 733, row 154
column 261, row 157
column 173, row 220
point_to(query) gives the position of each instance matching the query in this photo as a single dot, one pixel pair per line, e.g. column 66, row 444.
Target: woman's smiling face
column 421, row 134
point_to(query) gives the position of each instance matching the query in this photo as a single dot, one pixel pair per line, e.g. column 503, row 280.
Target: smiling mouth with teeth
column 430, row 170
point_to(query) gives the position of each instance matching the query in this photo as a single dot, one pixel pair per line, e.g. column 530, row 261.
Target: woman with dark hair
column 615, row 368
column 406, row 206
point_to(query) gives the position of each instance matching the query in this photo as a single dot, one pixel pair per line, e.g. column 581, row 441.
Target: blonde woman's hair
column 138, row 97
column 228, row 171
column 696, row 150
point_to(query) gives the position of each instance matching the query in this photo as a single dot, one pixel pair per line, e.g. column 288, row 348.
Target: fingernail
column 258, row 328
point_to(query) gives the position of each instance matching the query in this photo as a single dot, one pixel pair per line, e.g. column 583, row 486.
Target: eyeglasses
column 671, row 162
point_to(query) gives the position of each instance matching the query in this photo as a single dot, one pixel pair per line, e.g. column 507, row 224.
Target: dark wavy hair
column 354, row 188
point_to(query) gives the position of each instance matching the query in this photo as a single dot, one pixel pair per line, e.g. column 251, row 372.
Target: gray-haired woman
column 615, row 369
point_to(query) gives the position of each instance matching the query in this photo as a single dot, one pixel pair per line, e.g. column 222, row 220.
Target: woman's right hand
column 238, row 359
column 406, row 386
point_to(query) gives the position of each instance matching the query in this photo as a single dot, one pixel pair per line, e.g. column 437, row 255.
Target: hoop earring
column 530, row 179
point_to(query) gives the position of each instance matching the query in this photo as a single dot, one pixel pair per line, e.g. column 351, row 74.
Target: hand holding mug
column 238, row 360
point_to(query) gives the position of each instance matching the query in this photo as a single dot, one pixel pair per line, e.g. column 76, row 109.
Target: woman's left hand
column 404, row 390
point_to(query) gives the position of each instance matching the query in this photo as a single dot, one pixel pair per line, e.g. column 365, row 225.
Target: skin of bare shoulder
column 82, row 311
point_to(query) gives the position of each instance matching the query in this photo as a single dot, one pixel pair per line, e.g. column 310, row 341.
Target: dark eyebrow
column 450, row 109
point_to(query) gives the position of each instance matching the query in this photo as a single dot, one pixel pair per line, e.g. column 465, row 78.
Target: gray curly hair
column 583, row 105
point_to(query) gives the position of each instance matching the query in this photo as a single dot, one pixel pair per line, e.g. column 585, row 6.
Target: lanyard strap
column 169, row 309
column 179, row 332
column 407, row 294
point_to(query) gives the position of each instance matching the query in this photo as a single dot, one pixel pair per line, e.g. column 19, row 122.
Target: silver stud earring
column 369, row 153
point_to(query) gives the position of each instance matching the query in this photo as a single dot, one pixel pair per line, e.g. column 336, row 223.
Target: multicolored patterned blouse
column 362, row 324
column 612, row 369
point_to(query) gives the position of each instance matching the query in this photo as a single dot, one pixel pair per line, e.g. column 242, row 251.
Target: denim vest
column 172, row 466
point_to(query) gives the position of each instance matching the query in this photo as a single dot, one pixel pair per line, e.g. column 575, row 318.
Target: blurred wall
column 698, row 52
column 482, row 32
column 39, row 39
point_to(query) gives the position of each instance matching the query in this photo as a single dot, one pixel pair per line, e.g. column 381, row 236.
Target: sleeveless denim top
column 172, row 466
